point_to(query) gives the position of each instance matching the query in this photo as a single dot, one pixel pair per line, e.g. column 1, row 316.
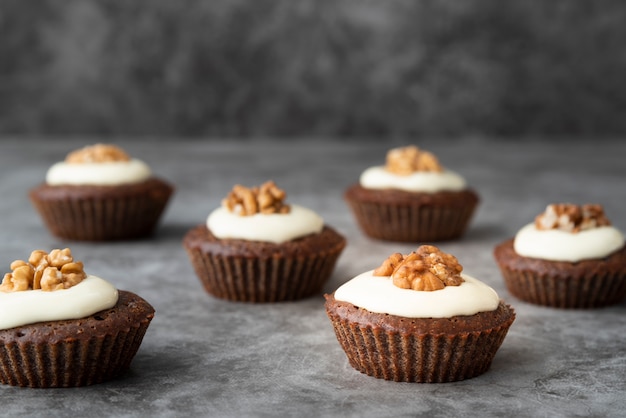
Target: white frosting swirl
column 103, row 174
column 91, row 295
column 379, row 294
column 421, row 181
column 558, row 245
column 276, row 228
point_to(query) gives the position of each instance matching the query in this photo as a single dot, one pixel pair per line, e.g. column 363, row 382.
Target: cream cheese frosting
column 421, row 181
column 559, row 245
column 276, row 228
column 102, row 173
column 378, row 294
column 86, row 298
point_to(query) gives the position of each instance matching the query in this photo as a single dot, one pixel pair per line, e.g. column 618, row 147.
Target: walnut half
column 99, row 153
column 427, row 269
column 572, row 218
column 266, row 199
column 46, row 271
column 407, row 160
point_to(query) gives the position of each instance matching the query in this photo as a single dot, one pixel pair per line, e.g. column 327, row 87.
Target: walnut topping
column 427, row 268
column 266, row 199
column 99, row 153
column 407, row 160
column 572, row 218
column 54, row 271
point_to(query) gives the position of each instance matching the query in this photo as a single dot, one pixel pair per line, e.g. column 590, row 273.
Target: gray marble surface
column 207, row 357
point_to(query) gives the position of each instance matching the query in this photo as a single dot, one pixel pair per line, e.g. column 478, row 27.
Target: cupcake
column 60, row 327
column 412, row 198
column 569, row 257
column 100, row 193
column 418, row 318
column 256, row 248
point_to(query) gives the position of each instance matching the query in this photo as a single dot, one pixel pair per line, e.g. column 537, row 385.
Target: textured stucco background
column 286, row 68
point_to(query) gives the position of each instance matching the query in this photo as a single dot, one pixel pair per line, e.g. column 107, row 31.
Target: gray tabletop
column 206, row 357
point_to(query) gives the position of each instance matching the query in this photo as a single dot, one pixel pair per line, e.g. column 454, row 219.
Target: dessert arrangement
column 62, row 327
column 416, row 318
column 257, row 248
column 419, row 318
column 413, row 198
column 569, row 257
column 100, row 193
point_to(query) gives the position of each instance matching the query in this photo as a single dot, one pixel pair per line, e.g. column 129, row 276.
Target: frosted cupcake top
column 413, row 170
column 100, row 164
column 261, row 214
column 424, row 284
column 568, row 232
column 51, row 287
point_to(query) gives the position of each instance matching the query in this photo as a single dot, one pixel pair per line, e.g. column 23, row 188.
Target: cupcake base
column 102, row 213
column 397, row 215
column 560, row 284
column 421, row 350
column 76, row 352
column 254, row 271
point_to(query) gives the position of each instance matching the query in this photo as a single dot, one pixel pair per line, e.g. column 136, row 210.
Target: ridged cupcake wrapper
column 566, row 292
column 411, row 223
column 418, row 358
column 102, row 219
column 70, row 363
column 262, row 279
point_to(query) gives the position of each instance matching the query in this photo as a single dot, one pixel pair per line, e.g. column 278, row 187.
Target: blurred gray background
column 337, row 68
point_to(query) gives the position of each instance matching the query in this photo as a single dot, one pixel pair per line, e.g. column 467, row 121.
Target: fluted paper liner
column 410, row 222
column 582, row 292
column 585, row 284
column 419, row 358
column 274, row 279
column 104, row 215
column 74, row 360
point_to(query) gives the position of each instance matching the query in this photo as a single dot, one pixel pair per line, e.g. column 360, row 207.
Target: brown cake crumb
column 46, row 271
column 427, row 269
column 407, row 160
column 99, row 153
column 266, row 199
column 572, row 218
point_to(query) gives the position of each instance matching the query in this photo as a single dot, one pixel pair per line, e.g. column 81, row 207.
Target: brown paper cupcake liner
column 69, row 364
column 411, row 223
column 591, row 283
column 395, row 215
column 582, row 292
column 272, row 279
column 76, row 359
column 421, row 358
column 102, row 216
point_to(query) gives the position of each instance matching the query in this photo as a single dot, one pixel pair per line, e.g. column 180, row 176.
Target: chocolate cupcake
column 570, row 257
column 418, row 318
column 412, row 199
column 60, row 327
column 256, row 248
column 99, row 193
